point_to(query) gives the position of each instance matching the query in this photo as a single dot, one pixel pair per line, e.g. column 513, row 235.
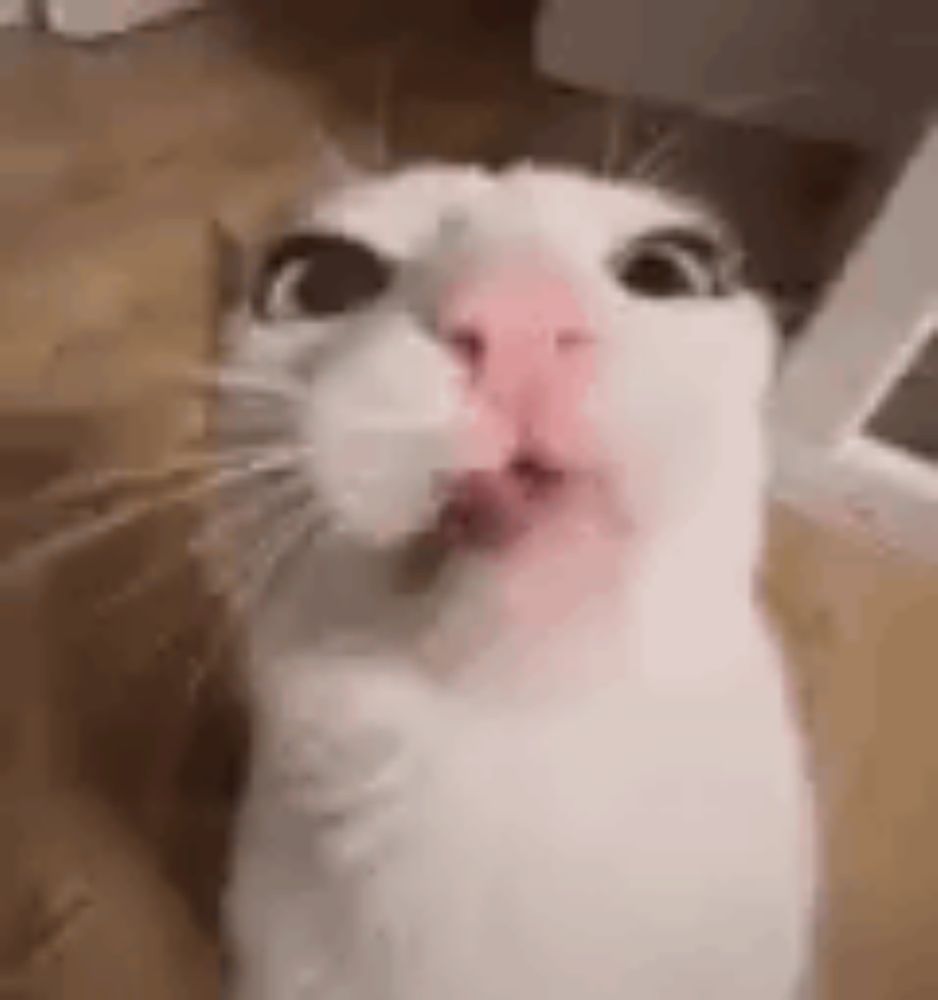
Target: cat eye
column 679, row 263
column 315, row 275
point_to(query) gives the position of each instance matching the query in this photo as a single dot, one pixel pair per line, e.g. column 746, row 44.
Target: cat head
column 512, row 363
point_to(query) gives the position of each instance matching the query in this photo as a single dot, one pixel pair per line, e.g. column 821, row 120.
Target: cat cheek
column 378, row 494
column 380, row 433
column 605, row 424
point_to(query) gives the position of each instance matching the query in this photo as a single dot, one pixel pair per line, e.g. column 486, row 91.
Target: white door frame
column 879, row 313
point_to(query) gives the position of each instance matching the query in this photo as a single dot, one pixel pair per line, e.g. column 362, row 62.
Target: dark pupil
column 676, row 263
column 336, row 273
column 654, row 273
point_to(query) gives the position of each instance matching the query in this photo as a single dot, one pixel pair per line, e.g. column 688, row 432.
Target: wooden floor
column 115, row 160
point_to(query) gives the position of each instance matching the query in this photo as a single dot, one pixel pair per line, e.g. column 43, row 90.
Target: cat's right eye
column 316, row 275
column 679, row 263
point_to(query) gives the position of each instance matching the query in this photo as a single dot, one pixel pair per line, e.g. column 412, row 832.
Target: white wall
column 13, row 11
column 92, row 18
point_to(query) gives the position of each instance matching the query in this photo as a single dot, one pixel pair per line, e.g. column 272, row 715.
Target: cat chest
column 595, row 855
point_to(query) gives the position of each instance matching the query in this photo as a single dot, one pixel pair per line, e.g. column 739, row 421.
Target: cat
column 520, row 729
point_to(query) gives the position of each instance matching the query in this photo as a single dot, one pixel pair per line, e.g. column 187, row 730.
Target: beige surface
column 863, row 631
column 116, row 779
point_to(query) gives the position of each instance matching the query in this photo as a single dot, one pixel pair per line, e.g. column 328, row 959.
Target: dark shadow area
column 117, row 676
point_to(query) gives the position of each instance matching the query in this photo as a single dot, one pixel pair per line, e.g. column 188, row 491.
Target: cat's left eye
column 678, row 263
column 316, row 274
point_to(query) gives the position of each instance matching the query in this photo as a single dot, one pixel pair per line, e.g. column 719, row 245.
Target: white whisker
column 262, row 503
column 648, row 165
column 83, row 485
column 70, row 539
column 384, row 107
column 612, row 138
column 288, row 536
column 165, row 371
column 224, row 523
column 214, row 380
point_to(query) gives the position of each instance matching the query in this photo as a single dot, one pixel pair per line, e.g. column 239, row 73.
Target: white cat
column 520, row 731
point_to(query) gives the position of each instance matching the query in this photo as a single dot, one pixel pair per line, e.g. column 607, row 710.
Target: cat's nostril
column 468, row 344
column 569, row 339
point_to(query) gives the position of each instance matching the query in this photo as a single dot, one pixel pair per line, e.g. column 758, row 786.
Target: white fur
column 448, row 804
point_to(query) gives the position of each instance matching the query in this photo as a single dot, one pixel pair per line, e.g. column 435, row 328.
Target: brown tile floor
column 113, row 161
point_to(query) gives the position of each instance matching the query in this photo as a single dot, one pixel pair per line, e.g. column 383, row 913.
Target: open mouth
column 496, row 509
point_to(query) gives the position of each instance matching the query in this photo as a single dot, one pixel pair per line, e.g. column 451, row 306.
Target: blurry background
column 120, row 740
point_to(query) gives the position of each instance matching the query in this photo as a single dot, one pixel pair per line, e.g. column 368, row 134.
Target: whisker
column 612, row 138
column 101, row 525
column 84, row 485
column 383, row 107
column 214, row 379
column 201, row 665
column 303, row 520
column 262, row 503
column 168, row 377
column 224, row 523
column 648, row 165
column 167, row 372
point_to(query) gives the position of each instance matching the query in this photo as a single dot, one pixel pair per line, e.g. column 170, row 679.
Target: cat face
column 506, row 361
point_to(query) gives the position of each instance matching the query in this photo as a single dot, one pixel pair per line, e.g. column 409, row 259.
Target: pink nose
column 519, row 335
column 525, row 344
